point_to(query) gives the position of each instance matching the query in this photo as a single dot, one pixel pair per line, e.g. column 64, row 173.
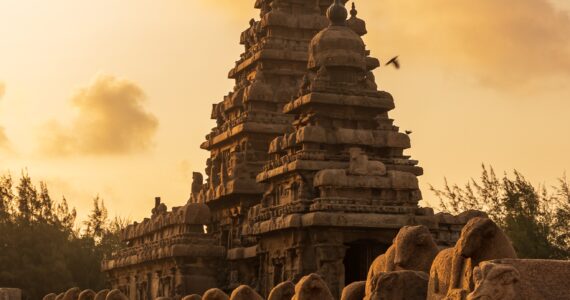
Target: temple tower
column 339, row 187
column 267, row 75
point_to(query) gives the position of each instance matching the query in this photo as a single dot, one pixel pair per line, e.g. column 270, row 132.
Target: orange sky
column 113, row 97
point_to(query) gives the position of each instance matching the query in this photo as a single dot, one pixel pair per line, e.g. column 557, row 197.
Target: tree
column 535, row 219
column 41, row 250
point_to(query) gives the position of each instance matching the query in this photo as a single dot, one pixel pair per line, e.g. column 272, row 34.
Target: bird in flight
column 408, row 132
column 395, row 62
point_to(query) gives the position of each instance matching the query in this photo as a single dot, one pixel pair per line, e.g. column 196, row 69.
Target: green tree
column 41, row 250
column 535, row 219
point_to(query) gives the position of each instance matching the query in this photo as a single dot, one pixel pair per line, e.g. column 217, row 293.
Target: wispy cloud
column 111, row 119
column 505, row 44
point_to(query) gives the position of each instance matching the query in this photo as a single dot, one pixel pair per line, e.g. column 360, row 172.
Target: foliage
column 536, row 219
column 40, row 249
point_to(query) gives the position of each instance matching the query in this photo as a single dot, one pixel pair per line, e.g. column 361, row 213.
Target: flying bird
column 408, row 132
column 395, row 62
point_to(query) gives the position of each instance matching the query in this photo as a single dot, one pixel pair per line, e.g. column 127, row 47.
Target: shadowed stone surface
column 521, row 279
column 481, row 239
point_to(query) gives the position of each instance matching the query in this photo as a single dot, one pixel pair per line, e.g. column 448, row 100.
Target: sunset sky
column 113, row 97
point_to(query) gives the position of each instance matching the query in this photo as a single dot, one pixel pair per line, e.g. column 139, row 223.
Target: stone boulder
column 72, row 294
column 244, row 292
column 102, row 294
column 283, row 291
column 215, row 294
column 87, row 295
column 481, row 239
column 51, row 296
column 193, row 297
column 521, row 279
column 413, row 249
column 312, row 287
column 354, row 291
column 399, row 285
column 116, row 295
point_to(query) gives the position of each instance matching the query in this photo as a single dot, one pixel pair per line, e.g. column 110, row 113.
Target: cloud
column 505, row 43
column 111, row 119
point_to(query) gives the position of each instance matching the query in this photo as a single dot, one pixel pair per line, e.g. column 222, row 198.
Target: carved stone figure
column 360, row 165
column 354, row 291
column 215, row 294
column 399, row 285
column 521, row 279
column 244, row 292
column 481, row 239
column 87, row 295
column 72, row 294
column 283, row 291
column 413, row 249
column 312, row 287
column 102, row 295
column 51, row 296
column 116, row 295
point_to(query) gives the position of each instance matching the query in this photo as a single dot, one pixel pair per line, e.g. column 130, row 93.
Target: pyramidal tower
column 307, row 172
column 339, row 186
column 267, row 76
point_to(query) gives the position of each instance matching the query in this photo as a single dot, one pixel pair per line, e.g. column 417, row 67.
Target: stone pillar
column 10, row 294
column 330, row 250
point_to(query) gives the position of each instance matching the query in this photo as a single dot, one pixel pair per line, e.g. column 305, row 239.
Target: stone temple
column 307, row 172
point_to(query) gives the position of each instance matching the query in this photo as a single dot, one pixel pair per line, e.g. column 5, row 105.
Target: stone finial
column 353, row 11
column 356, row 24
column 337, row 13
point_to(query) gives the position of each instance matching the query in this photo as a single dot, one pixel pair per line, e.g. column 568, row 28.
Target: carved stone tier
column 167, row 255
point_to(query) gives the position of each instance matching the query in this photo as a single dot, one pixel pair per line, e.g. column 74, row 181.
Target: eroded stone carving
column 399, row 285
column 283, row 291
column 481, row 240
column 354, row 291
column 521, row 279
column 311, row 287
column 413, row 249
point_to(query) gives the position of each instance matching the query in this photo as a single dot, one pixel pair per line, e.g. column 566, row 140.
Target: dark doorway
column 358, row 258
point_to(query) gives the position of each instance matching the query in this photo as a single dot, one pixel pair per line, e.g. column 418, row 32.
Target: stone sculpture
column 413, row 249
column 193, row 297
column 354, row 291
column 399, row 285
column 102, row 294
column 51, row 296
column 87, row 295
column 521, row 279
column 215, row 294
column 312, row 287
column 283, row 291
column 481, row 239
column 72, row 294
column 244, row 292
column 60, row 296
column 116, row 295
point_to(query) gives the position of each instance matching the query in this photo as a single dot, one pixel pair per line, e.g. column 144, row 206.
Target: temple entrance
column 358, row 258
